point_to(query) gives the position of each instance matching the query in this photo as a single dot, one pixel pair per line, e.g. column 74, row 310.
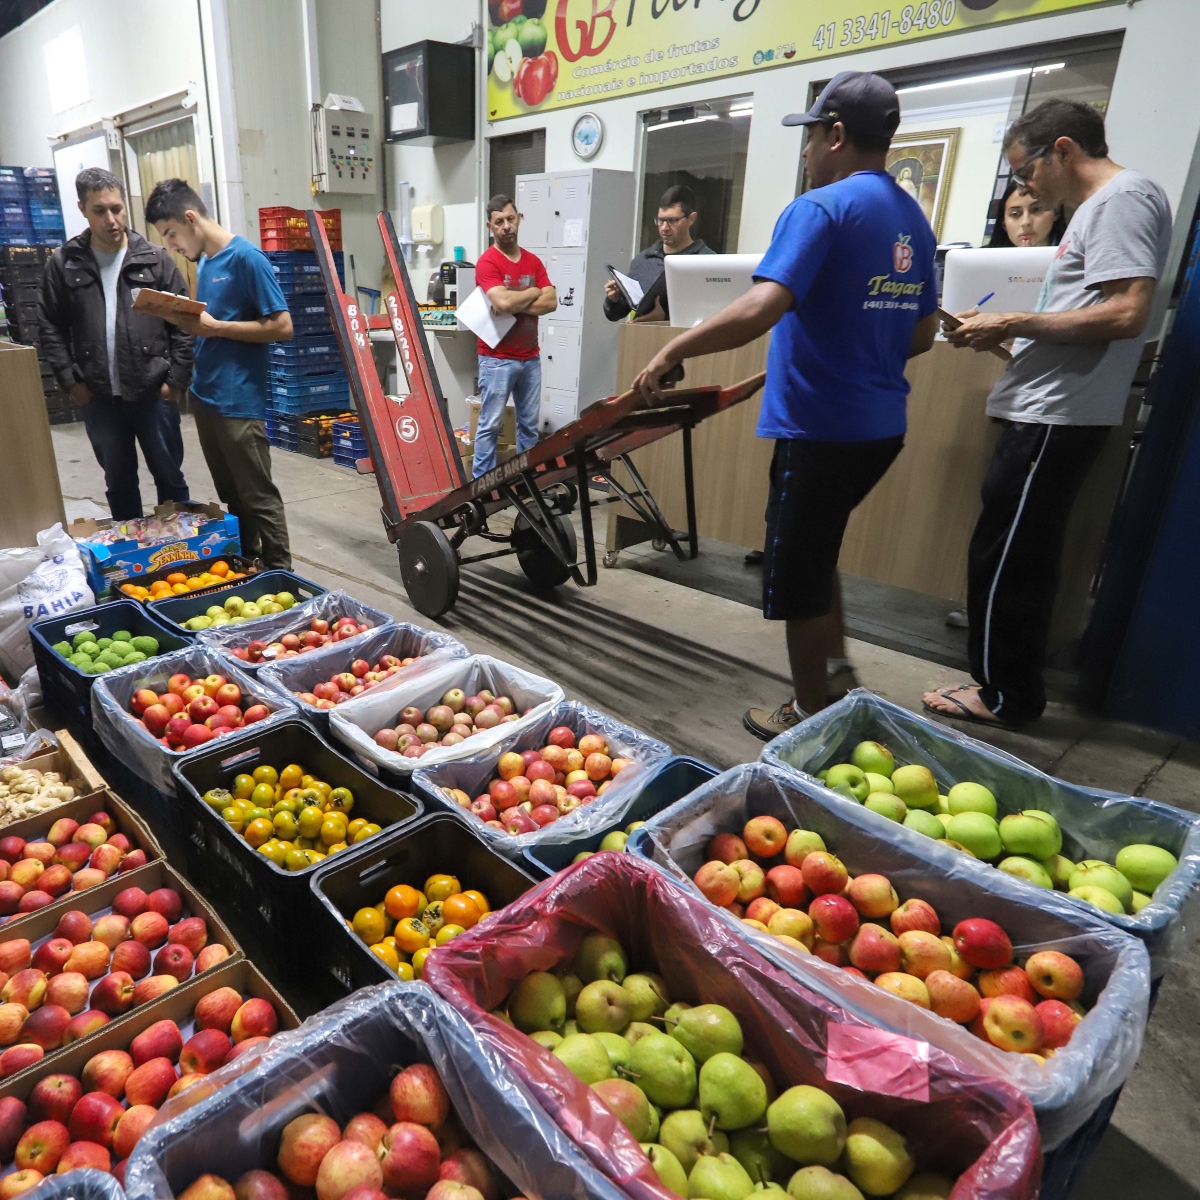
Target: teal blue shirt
column 237, row 284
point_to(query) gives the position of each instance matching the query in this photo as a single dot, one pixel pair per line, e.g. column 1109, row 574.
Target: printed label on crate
column 175, row 552
column 80, row 627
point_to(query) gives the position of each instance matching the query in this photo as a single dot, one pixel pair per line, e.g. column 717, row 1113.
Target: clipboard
column 623, row 281
column 165, row 304
column 950, row 321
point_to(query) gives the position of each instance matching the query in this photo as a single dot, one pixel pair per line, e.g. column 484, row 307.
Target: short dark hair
column 1053, row 119
column 498, row 203
column 680, row 194
column 171, row 200
column 96, row 179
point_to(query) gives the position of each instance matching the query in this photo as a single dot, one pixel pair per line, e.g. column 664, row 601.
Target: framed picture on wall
column 922, row 163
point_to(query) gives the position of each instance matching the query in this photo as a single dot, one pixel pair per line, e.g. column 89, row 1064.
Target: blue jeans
column 498, row 378
column 116, row 428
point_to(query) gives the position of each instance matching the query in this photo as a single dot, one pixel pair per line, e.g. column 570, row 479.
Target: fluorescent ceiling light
column 689, row 121
column 1016, row 73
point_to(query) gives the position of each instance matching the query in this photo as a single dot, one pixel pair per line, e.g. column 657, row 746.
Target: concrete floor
column 684, row 665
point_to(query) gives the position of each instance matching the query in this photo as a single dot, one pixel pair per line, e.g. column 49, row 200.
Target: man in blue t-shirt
column 848, row 287
column 246, row 311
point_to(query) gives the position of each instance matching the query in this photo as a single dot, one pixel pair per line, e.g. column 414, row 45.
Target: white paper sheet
column 633, row 289
column 476, row 314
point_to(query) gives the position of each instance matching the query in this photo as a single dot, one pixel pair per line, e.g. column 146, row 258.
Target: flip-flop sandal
column 964, row 713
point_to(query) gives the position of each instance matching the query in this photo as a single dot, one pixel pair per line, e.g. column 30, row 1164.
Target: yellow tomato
column 387, row 955
column 265, row 774
column 275, row 850
column 295, row 861
column 332, row 832
column 411, row 934
column 402, row 901
column 243, row 785
column 290, row 776
column 361, row 835
column 285, row 825
column 313, row 857
column 438, row 887
column 373, row 829
column 418, row 960
column 368, row 924
column 233, row 818
column 336, row 847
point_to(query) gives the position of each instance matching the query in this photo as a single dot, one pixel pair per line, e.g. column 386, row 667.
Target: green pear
column 572, row 985
column 638, row 1030
column 538, row 1002
column 926, row 1185
column 706, row 1030
column 777, row 1188
column 807, row 1125
column 672, row 1013
column 1026, row 868
column 600, row 957
column 618, row 1048
column 877, row 1157
column 753, row 1149
column 1032, row 832
column 503, row 1016
column 669, row 1169
column 719, row 1178
column 546, row 1038
column 687, row 1135
column 731, row 1091
column 664, row 1070
column 943, row 805
column 1094, row 872
column 655, row 1122
column 584, row 1057
column 1145, row 866
column 765, row 1076
column 1140, row 900
column 569, row 1028
column 873, row 758
column 820, row 1183
column 603, row 1007
column 916, row 786
column 970, row 797
column 1060, row 871
column 649, row 994
column 628, row 1103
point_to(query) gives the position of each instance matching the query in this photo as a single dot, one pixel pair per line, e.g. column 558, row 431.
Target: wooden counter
column 914, row 528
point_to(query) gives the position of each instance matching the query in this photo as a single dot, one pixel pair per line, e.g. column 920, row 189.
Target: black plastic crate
column 437, row 843
column 278, row 903
column 237, row 562
column 66, row 690
column 322, row 448
column 13, row 255
column 179, row 608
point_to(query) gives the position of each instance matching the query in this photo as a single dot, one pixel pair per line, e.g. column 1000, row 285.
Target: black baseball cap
column 863, row 102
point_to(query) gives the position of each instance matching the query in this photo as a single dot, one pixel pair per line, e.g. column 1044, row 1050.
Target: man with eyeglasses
column 1065, row 387
column 676, row 216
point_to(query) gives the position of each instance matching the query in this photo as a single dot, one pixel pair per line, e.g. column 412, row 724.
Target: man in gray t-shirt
column 1066, row 386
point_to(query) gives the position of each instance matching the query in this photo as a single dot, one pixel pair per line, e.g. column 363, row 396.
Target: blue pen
column 986, row 298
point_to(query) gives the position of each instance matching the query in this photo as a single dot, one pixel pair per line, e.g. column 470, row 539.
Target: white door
column 570, row 205
column 566, row 271
column 560, row 356
column 558, row 409
column 533, row 203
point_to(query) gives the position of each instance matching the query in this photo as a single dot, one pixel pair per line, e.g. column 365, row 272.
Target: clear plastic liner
column 956, row 1119
column 1095, row 824
column 1105, row 1046
column 130, row 742
column 339, row 1063
column 80, row 1185
column 472, row 775
column 356, row 722
column 328, row 605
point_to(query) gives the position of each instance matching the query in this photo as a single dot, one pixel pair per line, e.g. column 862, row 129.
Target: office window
column 703, row 146
column 516, row 154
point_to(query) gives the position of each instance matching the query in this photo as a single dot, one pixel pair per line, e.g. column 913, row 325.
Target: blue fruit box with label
column 117, row 551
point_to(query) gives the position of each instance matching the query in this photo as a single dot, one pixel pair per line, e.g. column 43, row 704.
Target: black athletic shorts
column 815, row 486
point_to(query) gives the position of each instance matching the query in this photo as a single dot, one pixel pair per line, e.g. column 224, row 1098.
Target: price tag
column 80, row 627
column 12, row 741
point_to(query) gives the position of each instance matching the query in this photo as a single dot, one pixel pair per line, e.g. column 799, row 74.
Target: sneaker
column 957, row 619
column 765, row 724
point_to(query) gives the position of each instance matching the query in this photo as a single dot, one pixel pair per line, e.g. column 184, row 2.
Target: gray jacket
column 648, row 269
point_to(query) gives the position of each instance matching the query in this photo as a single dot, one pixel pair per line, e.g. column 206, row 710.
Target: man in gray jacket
column 126, row 370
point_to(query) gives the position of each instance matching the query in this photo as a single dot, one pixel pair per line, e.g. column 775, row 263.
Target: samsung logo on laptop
column 718, row 279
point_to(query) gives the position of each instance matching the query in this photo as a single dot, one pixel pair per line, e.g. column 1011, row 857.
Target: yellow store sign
column 545, row 54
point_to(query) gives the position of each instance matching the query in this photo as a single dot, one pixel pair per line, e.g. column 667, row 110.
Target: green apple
column 848, row 776
column 925, row 822
column 877, row 1157
column 582, row 855
column 1140, row 900
column 688, row 1135
column 602, row 1007
column 916, row 786
column 1145, row 866
column 732, row 1092
column 820, row 1183
column 614, row 841
column 250, row 611
column 970, row 797
column 215, row 610
column 880, row 783
column 538, row 1002
column 546, row 1038
column 719, row 1178
column 234, row 605
column 285, row 599
column 618, row 1048
column 669, row 1169
column 1094, row 872
column 633, row 825
column 977, row 831
column 807, row 1125
column 584, row 1057
column 886, row 805
column 1028, row 869
column 664, row 1070
column 1060, row 871
column 873, row 757
column 1033, row 833
column 600, row 957
column 649, row 995
column 706, row 1030
column 753, row 1149
column 1098, row 897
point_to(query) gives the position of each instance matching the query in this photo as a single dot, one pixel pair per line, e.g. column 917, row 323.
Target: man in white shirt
column 1066, row 386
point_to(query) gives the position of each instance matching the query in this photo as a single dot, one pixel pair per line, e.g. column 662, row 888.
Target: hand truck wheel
column 541, row 567
column 428, row 568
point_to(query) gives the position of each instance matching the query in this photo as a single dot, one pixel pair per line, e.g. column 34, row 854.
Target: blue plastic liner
column 472, row 775
column 80, row 1185
column 339, row 1063
column 1105, row 1045
column 1095, row 824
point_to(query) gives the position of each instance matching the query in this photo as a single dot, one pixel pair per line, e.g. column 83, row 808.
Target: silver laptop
column 699, row 285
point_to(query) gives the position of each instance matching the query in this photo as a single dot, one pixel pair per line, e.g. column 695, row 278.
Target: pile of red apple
column 809, row 900
column 411, row 1145
column 361, row 676
column 194, row 711
column 72, row 858
column 533, row 788
column 452, row 721
column 70, row 1123
column 319, row 633
column 89, row 972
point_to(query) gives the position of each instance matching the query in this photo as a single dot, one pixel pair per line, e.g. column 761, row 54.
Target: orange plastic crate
column 283, row 228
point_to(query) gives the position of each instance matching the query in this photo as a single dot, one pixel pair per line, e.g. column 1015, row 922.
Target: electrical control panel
column 347, row 151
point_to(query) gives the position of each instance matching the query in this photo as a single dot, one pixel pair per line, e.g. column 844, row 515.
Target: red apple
column 19, row 1182
column 149, row 928
column 786, row 886
column 1007, row 981
column 132, row 958
column 133, row 1123
column 44, row 852
column 726, row 848
column 470, row 1167
column 346, row 1165
column 256, row 712
column 1055, row 975
column 191, row 932
column 111, row 929
column 152, row 987
column 217, row 1009
column 50, row 956
column 246, row 1047
column 150, row 1083
column 167, row 901
column 89, row 959
column 304, row 1143
column 1058, row 1023
column 834, row 917
column 204, row 1052
column 34, row 900
column 133, row 860
column 418, row 1096
column 179, row 683
column 172, row 702
column 41, row 1146
column 173, row 959
column 212, row 954
column 12, row 848
column 982, row 943
column 107, row 1072
column 366, row 1128
column 260, row 1185
column 410, row 1156
column 75, row 925
column 84, row 1024
column 88, row 877
column 143, row 699
column 915, row 914
column 873, row 896
column 257, row 1018
column 74, row 855
column 1012, row 1023
column 27, row 987
column 114, row 993
column 824, row 873
column 156, row 718
column 160, row 1040
column 69, row 990
column 718, row 882
column 177, row 726
column 15, row 955
column 764, row 836
column 875, row 949
column 94, row 1118
column 46, row 1026
column 53, row 1097
column 17, row 1058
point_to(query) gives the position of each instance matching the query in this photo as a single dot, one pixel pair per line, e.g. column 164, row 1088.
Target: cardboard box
column 34, row 829
column 76, row 769
column 507, row 439
column 108, row 566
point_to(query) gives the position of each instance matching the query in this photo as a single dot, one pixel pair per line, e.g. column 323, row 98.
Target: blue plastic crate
column 303, row 347
column 334, row 388
column 343, row 458
column 10, row 237
column 319, row 364
column 307, row 406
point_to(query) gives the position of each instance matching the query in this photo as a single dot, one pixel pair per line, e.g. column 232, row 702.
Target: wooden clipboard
column 950, row 320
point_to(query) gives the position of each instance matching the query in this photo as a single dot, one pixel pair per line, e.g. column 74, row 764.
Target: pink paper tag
column 874, row 1060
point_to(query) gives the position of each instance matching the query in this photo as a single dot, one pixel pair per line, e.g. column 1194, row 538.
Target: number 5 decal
column 407, row 429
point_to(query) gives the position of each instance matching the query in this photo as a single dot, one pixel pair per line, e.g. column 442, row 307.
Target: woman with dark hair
column 1024, row 222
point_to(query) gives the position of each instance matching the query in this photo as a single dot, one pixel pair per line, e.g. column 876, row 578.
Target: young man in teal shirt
column 246, row 310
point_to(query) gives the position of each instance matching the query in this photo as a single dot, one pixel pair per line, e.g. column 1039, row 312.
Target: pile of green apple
column 708, row 1118
column 237, row 610
column 1027, row 844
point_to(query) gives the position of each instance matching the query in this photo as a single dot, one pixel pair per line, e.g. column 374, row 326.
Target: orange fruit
column 180, row 589
column 438, row 887
column 387, row 954
column 290, row 776
column 480, row 899
column 402, row 901
column 461, row 910
column 411, row 935
column 220, row 568
column 177, row 577
column 368, row 923
column 130, row 589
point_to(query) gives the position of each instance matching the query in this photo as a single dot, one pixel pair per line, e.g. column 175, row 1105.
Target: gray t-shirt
column 1123, row 231
column 110, row 272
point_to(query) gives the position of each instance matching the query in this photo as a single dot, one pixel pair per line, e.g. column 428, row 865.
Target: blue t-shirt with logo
column 237, row 284
column 857, row 257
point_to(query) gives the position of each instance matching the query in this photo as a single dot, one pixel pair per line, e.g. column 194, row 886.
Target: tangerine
column 402, row 901
column 460, row 910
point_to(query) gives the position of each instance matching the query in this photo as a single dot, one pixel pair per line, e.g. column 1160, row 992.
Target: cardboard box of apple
column 194, row 711
column 1027, row 844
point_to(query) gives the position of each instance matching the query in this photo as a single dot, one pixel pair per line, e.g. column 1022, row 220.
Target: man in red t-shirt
column 516, row 283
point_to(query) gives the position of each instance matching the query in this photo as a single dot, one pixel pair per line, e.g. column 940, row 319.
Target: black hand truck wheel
column 541, row 567
column 428, row 568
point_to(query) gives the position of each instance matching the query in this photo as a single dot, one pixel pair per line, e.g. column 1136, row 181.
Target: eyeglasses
column 669, row 222
column 1022, row 177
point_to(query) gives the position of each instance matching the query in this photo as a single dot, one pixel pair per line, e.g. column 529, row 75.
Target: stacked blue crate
column 349, row 445
column 15, row 226
column 45, row 210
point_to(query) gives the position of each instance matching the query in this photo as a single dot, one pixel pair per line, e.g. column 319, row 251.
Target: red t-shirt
column 494, row 269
